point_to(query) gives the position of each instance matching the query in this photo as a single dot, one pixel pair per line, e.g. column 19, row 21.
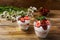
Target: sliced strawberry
column 22, row 19
column 47, row 22
column 26, row 18
column 38, row 24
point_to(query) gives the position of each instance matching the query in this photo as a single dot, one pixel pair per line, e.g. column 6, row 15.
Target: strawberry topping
column 47, row 22
column 38, row 24
column 44, row 24
column 26, row 18
column 23, row 18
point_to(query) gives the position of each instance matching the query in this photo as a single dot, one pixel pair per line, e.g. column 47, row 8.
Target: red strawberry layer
column 26, row 18
column 44, row 24
column 47, row 22
column 38, row 24
column 22, row 19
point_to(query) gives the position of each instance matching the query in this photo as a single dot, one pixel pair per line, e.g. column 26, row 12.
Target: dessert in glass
column 42, row 27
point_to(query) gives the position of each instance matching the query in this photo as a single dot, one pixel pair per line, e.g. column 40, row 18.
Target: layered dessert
column 42, row 27
column 23, row 22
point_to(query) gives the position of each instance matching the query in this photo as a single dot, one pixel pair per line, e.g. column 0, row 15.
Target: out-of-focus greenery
column 41, row 18
column 10, row 8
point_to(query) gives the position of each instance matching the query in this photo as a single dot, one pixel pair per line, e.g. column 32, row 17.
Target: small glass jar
column 24, row 25
column 39, row 31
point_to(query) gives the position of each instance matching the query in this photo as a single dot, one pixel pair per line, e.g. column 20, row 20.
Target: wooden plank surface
column 13, row 33
column 9, row 32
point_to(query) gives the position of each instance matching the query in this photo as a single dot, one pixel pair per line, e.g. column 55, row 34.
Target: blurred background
column 51, row 4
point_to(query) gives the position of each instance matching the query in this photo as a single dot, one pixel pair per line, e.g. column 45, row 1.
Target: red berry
column 47, row 22
column 26, row 18
column 44, row 25
column 38, row 24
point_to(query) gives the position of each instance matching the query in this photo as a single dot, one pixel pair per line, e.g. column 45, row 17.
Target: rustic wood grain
column 54, row 34
column 14, row 32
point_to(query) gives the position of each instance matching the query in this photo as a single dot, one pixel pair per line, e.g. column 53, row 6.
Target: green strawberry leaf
column 40, row 18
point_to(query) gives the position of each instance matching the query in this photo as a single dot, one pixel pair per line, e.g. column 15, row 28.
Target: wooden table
column 14, row 33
